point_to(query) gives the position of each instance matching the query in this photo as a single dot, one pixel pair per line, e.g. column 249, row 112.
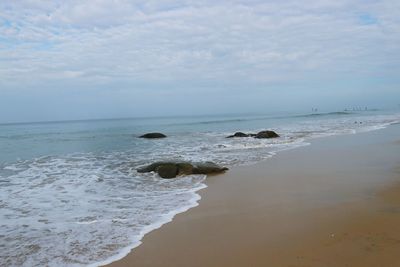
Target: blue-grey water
column 70, row 195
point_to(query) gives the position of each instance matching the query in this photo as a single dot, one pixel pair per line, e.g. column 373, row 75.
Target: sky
column 83, row 59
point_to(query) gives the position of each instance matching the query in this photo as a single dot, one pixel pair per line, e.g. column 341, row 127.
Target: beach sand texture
column 333, row 203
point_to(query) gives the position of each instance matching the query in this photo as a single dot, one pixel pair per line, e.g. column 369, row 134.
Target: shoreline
column 167, row 218
column 141, row 255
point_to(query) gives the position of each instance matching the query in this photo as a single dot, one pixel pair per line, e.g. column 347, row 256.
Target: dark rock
column 172, row 169
column 238, row 134
column 153, row 135
column 167, row 171
column 208, row 168
column 266, row 134
column 150, row 168
column 184, row 168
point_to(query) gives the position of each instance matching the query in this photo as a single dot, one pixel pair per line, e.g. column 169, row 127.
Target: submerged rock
column 153, row 135
column 171, row 169
column 266, row 134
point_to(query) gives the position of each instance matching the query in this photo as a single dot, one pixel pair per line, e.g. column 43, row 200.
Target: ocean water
column 70, row 194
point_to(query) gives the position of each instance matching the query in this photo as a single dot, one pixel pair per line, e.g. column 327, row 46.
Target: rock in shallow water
column 262, row 134
column 153, row 135
column 207, row 168
column 171, row 169
column 167, row 171
column 238, row 134
column 266, row 134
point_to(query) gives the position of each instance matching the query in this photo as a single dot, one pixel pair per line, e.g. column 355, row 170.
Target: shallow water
column 70, row 195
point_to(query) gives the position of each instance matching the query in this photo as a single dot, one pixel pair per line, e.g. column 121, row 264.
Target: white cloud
column 103, row 41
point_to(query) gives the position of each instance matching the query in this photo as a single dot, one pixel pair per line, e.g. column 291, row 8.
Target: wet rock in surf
column 171, row 169
column 262, row 134
column 266, row 134
column 167, row 170
column 153, row 135
column 184, row 168
column 208, row 168
column 238, row 134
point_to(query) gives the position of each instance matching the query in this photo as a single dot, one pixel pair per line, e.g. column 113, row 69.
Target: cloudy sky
column 124, row 58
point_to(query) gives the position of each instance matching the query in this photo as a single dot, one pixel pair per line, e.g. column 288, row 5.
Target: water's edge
column 194, row 202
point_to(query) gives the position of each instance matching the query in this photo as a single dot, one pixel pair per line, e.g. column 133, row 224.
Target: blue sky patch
column 367, row 19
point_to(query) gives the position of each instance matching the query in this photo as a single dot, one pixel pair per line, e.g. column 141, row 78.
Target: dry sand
column 333, row 203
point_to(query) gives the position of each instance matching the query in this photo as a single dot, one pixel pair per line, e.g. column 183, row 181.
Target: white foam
column 52, row 195
column 147, row 229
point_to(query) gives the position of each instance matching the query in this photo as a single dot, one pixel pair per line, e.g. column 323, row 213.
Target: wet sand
column 333, row 203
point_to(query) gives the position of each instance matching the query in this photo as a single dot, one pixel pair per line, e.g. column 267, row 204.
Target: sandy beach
column 335, row 202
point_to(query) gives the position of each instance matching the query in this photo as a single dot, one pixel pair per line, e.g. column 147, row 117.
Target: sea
column 70, row 194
